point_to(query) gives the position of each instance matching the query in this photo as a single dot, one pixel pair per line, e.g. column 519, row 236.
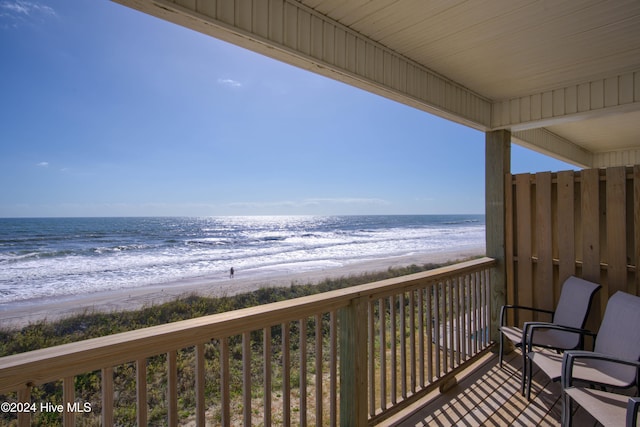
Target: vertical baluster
column 107, row 396
column 436, row 326
column 468, row 299
column 68, row 397
column 246, row 378
column 487, row 298
column 303, row 371
column 462, row 330
column 472, row 311
column 456, row 320
column 286, row 376
column 266, row 374
column 421, row 347
column 371, row 358
column 141, row 392
column 172, row 388
column 24, row 395
column 402, row 329
column 200, row 374
column 333, row 369
column 393, row 339
column 383, row 353
column 429, row 330
column 445, row 327
column 319, row 369
column 478, row 316
column 225, row 385
column 412, row 339
column 451, row 324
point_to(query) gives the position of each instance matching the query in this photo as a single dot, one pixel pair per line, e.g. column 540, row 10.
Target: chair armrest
column 504, row 308
column 571, row 356
column 530, row 328
column 632, row 411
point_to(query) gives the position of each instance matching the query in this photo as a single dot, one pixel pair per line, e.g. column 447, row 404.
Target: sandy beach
column 19, row 314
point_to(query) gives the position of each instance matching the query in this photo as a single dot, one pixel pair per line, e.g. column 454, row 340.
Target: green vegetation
column 91, row 325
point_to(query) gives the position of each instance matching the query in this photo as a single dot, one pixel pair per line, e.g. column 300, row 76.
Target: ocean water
column 51, row 257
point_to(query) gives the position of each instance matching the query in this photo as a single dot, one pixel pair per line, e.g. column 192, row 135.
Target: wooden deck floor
column 487, row 395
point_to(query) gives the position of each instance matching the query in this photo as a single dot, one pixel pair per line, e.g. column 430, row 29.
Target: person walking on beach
column 231, row 272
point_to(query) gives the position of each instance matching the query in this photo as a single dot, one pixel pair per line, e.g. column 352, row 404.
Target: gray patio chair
column 572, row 311
column 609, row 409
column 618, row 339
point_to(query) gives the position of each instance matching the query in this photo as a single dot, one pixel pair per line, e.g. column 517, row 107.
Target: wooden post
column 497, row 166
column 353, row 364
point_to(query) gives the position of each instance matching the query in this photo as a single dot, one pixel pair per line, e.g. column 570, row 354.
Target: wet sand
column 18, row 314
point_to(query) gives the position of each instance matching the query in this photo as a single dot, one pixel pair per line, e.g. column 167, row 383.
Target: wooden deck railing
column 306, row 361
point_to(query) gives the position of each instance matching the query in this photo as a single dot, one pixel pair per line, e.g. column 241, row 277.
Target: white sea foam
column 77, row 256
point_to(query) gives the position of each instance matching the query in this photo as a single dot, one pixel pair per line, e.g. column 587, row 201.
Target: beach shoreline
column 21, row 313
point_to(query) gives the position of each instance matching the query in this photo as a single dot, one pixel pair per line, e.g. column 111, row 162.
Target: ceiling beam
column 548, row 143
column 614, row 94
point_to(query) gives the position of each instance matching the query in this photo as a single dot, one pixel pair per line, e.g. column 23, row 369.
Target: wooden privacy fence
column 346, row 357
column 584, row 223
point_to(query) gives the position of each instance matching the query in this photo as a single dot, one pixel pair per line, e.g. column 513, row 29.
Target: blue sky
column 106, row 111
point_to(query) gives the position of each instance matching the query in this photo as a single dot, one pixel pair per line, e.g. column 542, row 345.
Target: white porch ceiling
column 563, row 75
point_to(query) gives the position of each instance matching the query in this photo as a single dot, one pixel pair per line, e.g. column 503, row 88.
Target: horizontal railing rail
column 303, row 361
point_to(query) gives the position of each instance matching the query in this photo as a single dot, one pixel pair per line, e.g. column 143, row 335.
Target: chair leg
column 566, row 410
column 530, row 381
column 501, row 348
column 524, row 371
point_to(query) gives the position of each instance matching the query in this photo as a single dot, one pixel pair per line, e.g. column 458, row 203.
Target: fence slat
column 616, row 230
column 544, row 243
column 591, row 225
column 566, row 228
column 524, row 295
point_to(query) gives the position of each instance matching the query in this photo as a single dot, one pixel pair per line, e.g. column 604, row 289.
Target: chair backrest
column 619, row 333
column 575, row 301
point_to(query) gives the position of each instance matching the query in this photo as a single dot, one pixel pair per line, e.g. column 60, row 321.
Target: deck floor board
column 490, row 396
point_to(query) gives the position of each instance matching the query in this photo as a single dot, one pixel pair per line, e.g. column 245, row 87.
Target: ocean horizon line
column 232, row 215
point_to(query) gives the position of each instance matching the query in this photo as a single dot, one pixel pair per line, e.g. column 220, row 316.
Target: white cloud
column 14, row 13
column 43, row 164
column 26, row 7
column 229, row 83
